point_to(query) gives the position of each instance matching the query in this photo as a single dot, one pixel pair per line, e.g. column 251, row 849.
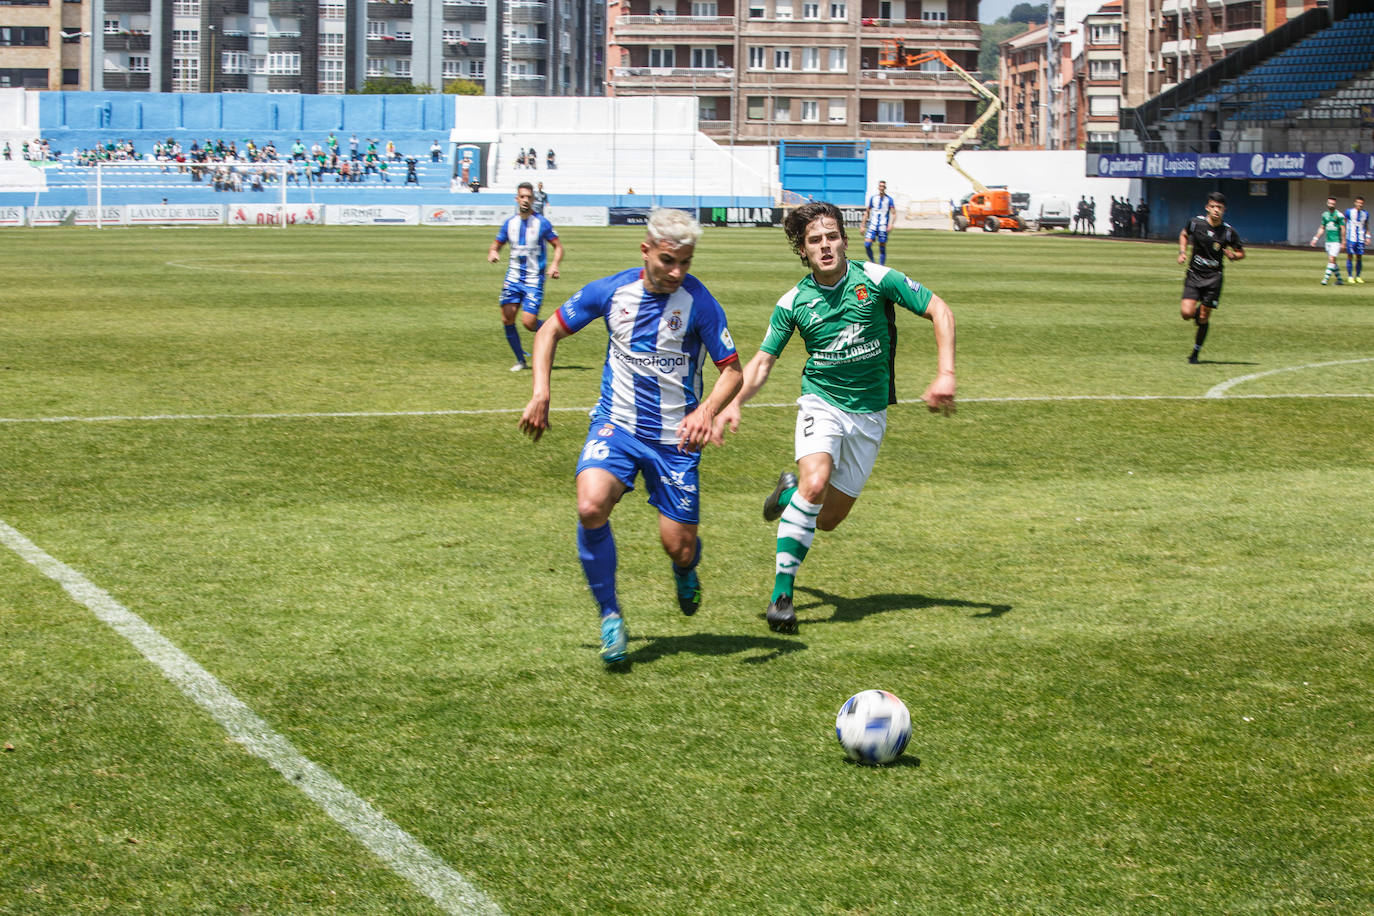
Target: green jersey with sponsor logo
column 1332, row 223
column 850, row 333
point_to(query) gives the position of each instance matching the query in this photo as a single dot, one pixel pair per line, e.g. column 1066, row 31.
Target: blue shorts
column 876, row 235
column 670, row 476
column 1354, row 248
column 527, row 296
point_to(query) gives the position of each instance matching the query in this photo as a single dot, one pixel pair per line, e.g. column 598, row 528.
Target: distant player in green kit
column 844, row 311
column 1333, row 228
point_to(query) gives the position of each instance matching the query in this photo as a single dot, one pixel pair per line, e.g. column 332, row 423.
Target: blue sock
column 882, row 254
column 513, row 338
column 1349, row 267
column 868, row 249
column 696, row 558
column 596, row 550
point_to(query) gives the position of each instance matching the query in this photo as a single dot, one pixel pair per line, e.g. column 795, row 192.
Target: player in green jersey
column 1333, row 227
column 844, row 312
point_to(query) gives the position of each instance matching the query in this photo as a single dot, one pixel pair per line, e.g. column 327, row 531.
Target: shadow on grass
column 653, row 648
column 1223, row 362
column 848, row 610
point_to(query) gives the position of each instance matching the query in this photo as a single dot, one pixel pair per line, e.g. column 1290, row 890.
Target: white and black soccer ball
column 873, row 727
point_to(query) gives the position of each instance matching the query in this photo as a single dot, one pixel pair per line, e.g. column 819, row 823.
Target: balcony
column 288, row 8
column 465, row 12
column 388, row 47
column 465, row 48
column 528, row 48
column 128, row 6
column 671, row 77
column 678, row 26
column 928, row 83
column 528, row 11
column 127, row 41
column 528, row 84
column 376, row 10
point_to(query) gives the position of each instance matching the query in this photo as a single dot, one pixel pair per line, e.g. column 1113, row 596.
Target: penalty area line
column 385, row 414
column 404, row 854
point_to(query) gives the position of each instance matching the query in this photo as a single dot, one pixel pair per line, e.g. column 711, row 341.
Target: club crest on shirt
column 605, row 431
column 674, row 321
column 861, row 292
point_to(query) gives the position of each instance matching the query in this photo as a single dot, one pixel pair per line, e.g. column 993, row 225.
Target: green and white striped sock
column 796, row 528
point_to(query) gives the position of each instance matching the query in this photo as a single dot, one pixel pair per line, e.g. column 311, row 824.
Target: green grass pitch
column 1132, row 622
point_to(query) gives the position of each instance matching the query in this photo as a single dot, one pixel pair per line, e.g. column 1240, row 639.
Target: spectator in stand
column 391, row 151
column 298, row 149
column 550, row 161
column 353, row 148
column 436, row 152
column 541, row 200
column 411, row 176
column 9, row 153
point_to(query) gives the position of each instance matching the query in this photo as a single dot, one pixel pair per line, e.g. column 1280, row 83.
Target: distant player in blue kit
column 1356, row 234
column 528, row 234
column 663, row 325
column 879, row 217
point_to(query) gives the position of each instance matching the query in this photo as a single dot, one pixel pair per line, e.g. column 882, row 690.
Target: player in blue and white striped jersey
column 527, row 233
column 1356, row 235
column 879, row 216
column 651, row 419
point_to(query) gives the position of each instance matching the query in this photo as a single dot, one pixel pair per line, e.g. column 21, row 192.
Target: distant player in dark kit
column 1212, row 240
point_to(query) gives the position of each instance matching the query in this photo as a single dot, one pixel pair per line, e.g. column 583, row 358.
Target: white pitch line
column 383, row 414
column 405, row 855
column 1219, row 390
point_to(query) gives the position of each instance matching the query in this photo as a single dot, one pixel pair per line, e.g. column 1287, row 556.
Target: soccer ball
column 873, row 727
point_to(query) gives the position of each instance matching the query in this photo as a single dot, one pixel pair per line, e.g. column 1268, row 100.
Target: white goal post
column 240, row 181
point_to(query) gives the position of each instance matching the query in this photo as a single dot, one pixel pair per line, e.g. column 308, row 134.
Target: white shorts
column 1333, row 249
column 850, row 439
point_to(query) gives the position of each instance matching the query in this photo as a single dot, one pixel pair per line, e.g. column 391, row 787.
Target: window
column 839, row 60
column 839, row 11
column 111, row 26
column 453, row 69
column 138, row 63
column 782, row 58
column 753, row 107
column 402, row 67
column 756, row 9
column 782, row 109
column 477, row 69
column 233, row 62
column 257, row 63
column 1103, row 105
column 811, row 9
column 185, row 74
column 23, row 37
column 1104, row 69
column 331, row 77
column 758, row 57
column 1104, row 35
column 891, row 112
column 836, row 110
column 706, row 110
column 332, row 10
column 71, row 77
column 662, row 57
column 453, row 36
column 810, row 110
column 284, row 63
column 811, row 58
column 185, row 7
column 704, row 9
column 376, row 66
column 934, row 15
column 331, row 44
column 376, row 28
column 703, row 58
column 401, row 34
column 782, row 9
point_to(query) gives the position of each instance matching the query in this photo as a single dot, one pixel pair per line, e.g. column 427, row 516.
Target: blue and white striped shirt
column 654, row 354
column 528, row 255
column 880, row 207
column 1357, row 226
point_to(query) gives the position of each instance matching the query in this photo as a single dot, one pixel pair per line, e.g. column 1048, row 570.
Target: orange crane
column 990, row 208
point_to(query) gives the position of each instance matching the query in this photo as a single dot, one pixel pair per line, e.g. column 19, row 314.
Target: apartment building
column 802, row 70
column 41, row 44
column 509, row 47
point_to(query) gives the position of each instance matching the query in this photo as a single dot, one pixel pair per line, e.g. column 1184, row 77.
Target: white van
column 1054, row 213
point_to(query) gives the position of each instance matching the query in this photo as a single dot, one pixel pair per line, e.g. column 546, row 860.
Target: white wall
column 923, row 183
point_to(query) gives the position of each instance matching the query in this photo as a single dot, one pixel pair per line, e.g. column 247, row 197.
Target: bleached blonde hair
column 673, row 227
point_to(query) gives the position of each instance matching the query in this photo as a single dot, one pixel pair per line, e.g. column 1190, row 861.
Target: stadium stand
column 604, row 147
